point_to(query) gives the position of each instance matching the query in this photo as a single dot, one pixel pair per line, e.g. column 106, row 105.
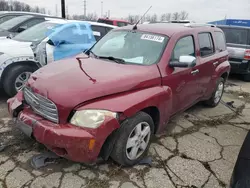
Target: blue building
column 235, row 22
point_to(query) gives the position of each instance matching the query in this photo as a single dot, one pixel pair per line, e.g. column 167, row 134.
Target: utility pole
column 108, row 13
column 101, row 9
column 63, row 8
column 85, row 8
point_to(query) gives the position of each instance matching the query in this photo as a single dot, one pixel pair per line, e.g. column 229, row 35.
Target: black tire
column 119, row 150
column 246, row 77
column 211, row 102
column 11, row 76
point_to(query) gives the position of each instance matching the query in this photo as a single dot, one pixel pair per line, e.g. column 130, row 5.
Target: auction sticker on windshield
column 152, row 38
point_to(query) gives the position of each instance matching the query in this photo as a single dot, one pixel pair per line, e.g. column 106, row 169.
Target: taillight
column 247, row 55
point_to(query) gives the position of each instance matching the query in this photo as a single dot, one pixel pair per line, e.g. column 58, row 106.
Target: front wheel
column 16, row 78
column 134, row 138
column 217, row 95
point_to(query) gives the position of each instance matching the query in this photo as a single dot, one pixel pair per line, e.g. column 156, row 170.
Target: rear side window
column 185, row 46
column 220, row 41
column 121, row 24
column 206, row 44
column 98, row 31
column 236, row 35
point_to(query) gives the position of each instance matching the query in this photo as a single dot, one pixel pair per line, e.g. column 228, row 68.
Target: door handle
column 195, row 72
column 216, row 63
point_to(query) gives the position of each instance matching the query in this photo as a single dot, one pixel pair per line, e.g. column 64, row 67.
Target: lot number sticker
column 152, row 38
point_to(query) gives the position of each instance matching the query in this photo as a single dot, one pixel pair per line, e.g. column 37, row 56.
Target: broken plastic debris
column 241, row 97
column 231, row 104
column 43, row 159
column 146, row 161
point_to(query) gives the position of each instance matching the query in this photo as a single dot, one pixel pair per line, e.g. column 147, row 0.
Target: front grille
column 41, row 105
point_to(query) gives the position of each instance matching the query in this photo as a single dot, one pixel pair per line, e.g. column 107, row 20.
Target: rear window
column 105, row 21
column 236, row 35
column 220, row 41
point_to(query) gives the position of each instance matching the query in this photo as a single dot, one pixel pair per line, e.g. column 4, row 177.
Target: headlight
column 1, row 53
column 91, row 118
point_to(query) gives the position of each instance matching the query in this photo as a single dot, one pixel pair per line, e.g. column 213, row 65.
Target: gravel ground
column 198, row 149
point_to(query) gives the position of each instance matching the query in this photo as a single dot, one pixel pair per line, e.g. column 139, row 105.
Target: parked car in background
column 238, row 46
column 19, row 24
column 112, row 99
column 42, row 44
column 119, row 23
column 7, row 15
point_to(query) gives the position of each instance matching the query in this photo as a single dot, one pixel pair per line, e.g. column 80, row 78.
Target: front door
column 183, row 81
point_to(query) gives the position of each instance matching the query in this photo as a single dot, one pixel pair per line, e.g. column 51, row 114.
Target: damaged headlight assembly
column 91, row 118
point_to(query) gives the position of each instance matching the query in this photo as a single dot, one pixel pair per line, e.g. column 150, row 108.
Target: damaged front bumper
column 66, row 140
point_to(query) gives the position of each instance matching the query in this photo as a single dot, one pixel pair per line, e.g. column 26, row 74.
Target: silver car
column 238, row 46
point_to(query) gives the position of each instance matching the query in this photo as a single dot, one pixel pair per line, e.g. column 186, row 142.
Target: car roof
column 60, row 21
column 232, row 26
column 25, row 13
column 169, row 28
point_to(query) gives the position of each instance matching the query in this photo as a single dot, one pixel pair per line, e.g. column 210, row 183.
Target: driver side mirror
column 21, row 29
column 184, row 62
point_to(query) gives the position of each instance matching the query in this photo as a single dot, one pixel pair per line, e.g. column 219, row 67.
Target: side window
column 220, row 41
column 206, row 44
column 184, row 46
column 121, row 24
column 31, row 23
column 6, row 18
column 108, row 29
column 98, row 31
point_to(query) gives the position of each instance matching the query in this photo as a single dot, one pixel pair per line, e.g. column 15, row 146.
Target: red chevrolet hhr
column 110, row 100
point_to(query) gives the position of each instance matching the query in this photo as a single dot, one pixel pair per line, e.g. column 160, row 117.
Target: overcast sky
column 199, row 10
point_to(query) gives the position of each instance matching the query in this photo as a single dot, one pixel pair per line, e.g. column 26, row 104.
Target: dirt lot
column 198, row 149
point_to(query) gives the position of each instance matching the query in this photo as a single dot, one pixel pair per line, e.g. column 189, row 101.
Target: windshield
column 36, row 33
column 13, row 22
column 131, row 46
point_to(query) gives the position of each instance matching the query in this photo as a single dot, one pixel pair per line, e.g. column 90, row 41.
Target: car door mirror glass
column 184, row 62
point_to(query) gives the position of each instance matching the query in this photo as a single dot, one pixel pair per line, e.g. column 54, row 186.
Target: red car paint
column 88, row 83
column 115, row 22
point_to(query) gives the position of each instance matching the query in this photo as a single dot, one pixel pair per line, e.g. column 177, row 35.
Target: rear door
column 207, row 61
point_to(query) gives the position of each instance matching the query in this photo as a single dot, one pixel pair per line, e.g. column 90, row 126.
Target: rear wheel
column 217, row 95
column 16, row 78
column 134, row 138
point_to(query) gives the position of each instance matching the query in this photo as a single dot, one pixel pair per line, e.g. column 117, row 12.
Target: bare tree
column 183, row 15
column 153, row 18
column 168, row 16
column 92, row 17
column 175, row 16
column 163, row 17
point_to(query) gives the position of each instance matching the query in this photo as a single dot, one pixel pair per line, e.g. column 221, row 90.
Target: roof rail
column 199, row 25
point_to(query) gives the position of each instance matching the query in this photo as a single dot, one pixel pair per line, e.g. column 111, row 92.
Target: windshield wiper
column 90, row 52
column 117, row 60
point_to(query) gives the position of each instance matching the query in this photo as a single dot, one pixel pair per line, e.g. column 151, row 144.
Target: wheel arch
column 6, row 69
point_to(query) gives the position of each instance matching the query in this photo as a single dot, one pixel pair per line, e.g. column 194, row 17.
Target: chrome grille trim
column 41, row 105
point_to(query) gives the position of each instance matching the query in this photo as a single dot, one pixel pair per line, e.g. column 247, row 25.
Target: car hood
column 71, row 82
column 7, row 45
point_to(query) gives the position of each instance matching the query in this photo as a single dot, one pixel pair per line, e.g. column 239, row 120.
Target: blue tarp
column 71, row 39
column 235, row 22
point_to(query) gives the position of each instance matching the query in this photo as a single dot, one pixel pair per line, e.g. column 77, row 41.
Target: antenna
column 135, row 26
